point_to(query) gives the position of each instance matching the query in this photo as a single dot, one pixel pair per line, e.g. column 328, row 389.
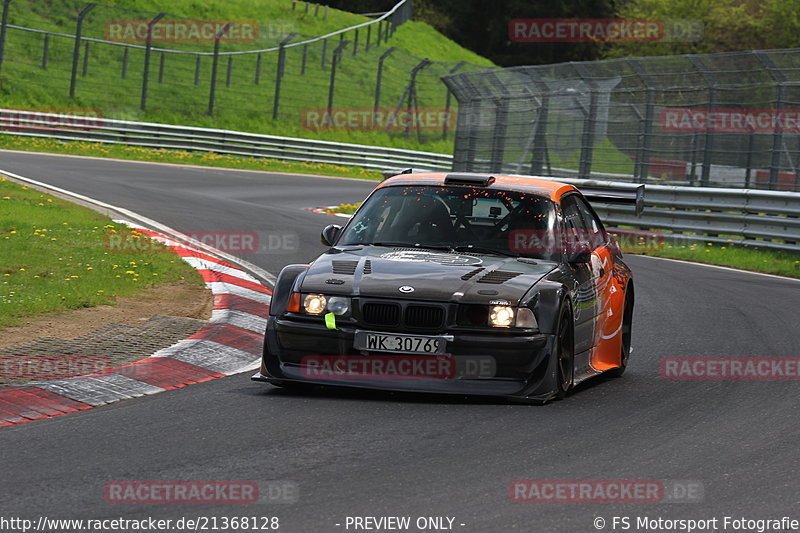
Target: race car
column 467, row 284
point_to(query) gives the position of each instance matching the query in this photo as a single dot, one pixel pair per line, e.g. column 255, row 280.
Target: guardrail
column 172, row 137
column 765, row 219
column 761, row 219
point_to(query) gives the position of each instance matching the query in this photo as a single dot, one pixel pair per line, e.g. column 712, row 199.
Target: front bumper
column 521, row 366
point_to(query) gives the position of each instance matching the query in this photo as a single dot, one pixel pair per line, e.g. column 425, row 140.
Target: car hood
column 377, row 271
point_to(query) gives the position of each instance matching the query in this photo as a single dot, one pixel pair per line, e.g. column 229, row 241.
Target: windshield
column 457, row 218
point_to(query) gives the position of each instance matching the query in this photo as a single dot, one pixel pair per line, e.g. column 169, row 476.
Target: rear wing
column 619, row 193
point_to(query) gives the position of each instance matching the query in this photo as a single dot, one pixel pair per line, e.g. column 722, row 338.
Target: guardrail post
column 215, row 66
column 3, row 28
column 76, row 51
column 45, row 50
column 197, row 71
column 147, row 51
column 379, row 81
column 447, row 101
column 229, row 72
column 279, row 73
column 337, row 56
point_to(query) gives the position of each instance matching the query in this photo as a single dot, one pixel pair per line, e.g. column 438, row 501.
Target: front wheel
column 564, row 350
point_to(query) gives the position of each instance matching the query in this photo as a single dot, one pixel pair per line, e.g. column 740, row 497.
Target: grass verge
column 729, row 255
column 207, row 159
column 55, row 257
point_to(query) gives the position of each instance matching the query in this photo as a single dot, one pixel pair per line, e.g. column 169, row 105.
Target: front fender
column 286, row 281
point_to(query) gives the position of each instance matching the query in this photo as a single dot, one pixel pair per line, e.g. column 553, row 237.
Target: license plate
column 390, row 342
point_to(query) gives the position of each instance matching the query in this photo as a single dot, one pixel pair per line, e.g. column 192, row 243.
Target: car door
column 584, row 293
column 605, row 354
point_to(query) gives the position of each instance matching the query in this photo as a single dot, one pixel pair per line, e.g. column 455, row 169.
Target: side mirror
column 580, row 253
column 330, row 234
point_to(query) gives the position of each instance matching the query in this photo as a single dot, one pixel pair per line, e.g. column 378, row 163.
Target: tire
column 564, row 351
column 627, row 326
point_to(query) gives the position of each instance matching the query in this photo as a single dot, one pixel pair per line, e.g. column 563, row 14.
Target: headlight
column 339, row 305
column 314, row 304
column 501, row 316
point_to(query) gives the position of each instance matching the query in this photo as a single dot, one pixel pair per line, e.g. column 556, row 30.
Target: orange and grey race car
column 469, row 284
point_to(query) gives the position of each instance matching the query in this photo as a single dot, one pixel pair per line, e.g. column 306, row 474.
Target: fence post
column 641, row 166
column 85, row 69
column 3, row 28
column 161, row 62
column 214, row 65
column 355, row 44
column 305, row 57
column 749, row 161
column 124, row 73
column 258, row 65
column 324, row 51
column 366, row 43
column 197, row 71
column 337, row 56
column 378, row 82
column 708, row 145
column 45, row 50
column 76, row 51
column 279, row 73
column 148, row 46
column 540, row 148
column 447, row 101
column 501, row 124
column 777, row 135
column 589, row 123
column 229, row 72
column 378, row 33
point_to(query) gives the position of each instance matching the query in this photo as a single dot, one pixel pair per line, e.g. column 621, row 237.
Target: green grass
column 54, row 257
column 729, row 255
column 207, row 159
column 245, row 105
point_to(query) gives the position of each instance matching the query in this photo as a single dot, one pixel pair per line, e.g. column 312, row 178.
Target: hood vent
column 471, row 274
column 496, row 277
column 346, row 268
column 368, row 266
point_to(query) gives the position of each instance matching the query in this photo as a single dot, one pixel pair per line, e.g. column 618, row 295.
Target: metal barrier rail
column 766, row 219
column 172, row 137
column 761, row 219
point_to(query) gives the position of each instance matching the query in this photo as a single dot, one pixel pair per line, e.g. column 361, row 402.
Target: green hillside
column 110, row 78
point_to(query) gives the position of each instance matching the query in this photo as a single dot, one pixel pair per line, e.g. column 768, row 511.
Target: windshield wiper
column 483, row 250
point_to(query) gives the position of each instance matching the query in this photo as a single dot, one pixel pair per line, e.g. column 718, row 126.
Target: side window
column 594, row 227
column 576, row 230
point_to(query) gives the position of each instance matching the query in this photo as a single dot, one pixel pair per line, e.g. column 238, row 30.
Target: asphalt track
column 355, row 454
